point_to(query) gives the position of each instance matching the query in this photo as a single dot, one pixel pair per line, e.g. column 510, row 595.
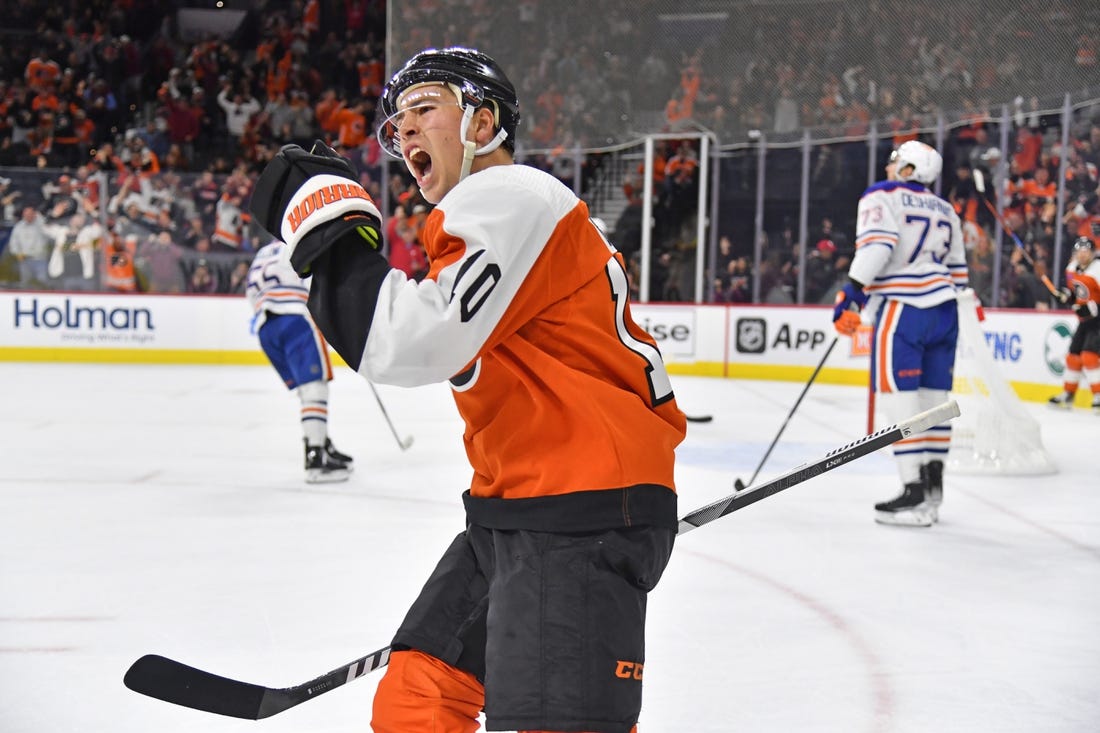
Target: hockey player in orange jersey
column 1082, row 293
column 536, row 612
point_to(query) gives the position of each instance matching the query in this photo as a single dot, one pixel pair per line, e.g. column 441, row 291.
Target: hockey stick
column 404, row 443
column 180, row 684
column 979, row 184
column 1023, row 251
column 737, row 484
column 838, row 457
column 177, row 683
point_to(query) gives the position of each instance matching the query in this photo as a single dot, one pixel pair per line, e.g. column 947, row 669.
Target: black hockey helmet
column 476, row 76
column 1083, row 243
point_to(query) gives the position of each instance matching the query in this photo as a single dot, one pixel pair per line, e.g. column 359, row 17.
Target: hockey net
column 994, row 434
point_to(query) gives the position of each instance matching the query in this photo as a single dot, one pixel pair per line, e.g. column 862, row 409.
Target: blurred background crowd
column 131, row 131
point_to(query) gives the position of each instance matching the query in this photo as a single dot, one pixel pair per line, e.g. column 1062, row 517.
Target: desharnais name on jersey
column 909, row 245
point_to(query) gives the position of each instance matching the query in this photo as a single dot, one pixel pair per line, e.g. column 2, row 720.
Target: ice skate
column 1096, row 403
column 337, row 459
column 1063, row 399
column 321, row 471
column 908, row 510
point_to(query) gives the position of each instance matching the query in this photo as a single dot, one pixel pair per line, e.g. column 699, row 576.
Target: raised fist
column 312, row 200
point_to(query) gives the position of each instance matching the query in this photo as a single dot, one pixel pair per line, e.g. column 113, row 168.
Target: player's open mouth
column 420, row 163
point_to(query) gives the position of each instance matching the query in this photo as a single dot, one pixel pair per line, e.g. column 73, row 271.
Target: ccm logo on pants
column 629, row 670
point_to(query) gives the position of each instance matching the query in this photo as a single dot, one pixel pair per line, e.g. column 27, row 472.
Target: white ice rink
column 156, row 509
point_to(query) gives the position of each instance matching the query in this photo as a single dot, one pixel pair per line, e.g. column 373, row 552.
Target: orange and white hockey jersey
column 1084, row 281
column 571, row 422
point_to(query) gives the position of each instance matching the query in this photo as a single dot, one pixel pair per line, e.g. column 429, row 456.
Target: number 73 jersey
column 909, row 245
column 525, row 312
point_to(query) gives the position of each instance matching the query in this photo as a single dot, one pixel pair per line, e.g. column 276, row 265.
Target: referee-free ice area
column 161, row 509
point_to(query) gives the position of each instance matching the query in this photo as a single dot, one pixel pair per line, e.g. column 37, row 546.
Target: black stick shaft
column 790, row 414
column 381, row 406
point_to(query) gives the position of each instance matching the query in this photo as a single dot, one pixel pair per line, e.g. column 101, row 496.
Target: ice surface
column 161, row 509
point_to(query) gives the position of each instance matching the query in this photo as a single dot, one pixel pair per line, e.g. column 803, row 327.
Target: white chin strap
column 469, row 147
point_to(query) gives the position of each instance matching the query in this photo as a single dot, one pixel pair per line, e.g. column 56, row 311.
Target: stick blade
column 177, row 683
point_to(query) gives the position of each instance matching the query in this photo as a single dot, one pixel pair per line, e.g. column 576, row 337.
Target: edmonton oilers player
column 295, row 347
column 908, row 266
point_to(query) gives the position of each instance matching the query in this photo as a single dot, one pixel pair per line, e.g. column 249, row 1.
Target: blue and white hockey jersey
column 274, row 287
column 909, row 245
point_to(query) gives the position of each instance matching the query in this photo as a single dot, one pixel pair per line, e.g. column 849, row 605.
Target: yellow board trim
column 139, row 356
column 777, row 372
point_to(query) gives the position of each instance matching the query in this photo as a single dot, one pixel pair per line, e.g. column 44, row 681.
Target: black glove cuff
column 344, row 295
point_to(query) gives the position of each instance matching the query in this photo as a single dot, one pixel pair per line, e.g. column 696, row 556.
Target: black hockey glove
column 1086, row 311
column 1064, row 296
column 312, row 200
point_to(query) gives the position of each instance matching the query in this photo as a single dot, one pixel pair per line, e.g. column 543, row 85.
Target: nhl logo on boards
column 751, row 335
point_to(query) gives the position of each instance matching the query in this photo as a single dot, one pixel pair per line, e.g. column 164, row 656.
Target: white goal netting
column 994, row 432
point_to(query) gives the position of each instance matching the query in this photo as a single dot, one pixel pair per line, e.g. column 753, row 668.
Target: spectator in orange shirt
column 1029, row 146
column 1083, row 219
column 119, row 275
column 1040, row 192
column 326, row 107
column 351, row 125
column 85, row 132
column 680, row 175
column 311, row 19
column 277, row 79
column 41, row 72
column 45, row 101
column 372, row 74
column 1081, row 178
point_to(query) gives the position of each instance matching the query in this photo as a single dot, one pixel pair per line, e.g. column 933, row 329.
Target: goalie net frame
column 995, row 434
